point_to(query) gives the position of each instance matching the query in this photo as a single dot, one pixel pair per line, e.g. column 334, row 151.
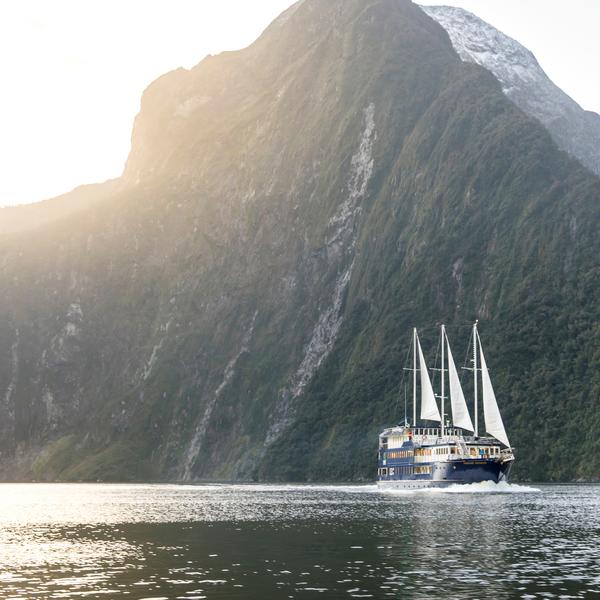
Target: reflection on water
column 260, row 542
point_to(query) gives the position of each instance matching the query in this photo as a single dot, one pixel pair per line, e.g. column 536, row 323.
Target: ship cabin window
column 452, row 449
column 399, row 454
column 473, row 451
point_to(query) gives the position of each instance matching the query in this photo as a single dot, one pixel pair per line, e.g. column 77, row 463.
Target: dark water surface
column 262, row 542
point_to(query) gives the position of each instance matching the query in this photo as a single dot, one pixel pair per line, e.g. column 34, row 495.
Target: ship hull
column 446, row 474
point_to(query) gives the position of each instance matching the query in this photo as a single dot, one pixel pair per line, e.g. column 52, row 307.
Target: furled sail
column 493, row 421
column 429, row 407
column 460, row 412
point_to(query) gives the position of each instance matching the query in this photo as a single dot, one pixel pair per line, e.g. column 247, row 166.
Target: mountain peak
column 524, row 81
column 180, row 109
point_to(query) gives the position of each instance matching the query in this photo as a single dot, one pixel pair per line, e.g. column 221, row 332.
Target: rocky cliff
column 238, row 305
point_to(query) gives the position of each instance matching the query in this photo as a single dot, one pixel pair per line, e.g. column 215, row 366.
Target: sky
column 73, row 71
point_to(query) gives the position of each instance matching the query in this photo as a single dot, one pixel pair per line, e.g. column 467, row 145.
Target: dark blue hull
column 449, row 473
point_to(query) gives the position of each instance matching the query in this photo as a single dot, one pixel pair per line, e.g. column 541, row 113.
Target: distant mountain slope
column 240, row 307
column 574, row 129
column 17, row 219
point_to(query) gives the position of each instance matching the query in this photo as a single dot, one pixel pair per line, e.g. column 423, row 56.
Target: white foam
column 483, row 487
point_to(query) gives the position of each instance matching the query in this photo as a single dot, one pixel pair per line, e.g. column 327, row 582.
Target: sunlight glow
column 73, row 72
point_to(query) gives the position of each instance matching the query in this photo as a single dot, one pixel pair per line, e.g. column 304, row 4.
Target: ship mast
column 475, row 377
column 415, row 377
column 442, row 373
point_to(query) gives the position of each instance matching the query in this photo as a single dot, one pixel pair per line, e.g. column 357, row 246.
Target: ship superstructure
column 437, row 453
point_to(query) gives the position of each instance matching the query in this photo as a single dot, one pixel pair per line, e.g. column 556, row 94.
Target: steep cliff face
column 237, row 306
column 574, row 129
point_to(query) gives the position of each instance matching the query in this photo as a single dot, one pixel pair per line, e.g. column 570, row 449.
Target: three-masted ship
column 437, row 452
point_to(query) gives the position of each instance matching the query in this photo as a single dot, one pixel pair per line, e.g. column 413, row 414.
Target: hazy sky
column 73, row 71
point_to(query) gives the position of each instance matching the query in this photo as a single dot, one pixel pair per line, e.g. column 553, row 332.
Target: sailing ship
column 437, row 452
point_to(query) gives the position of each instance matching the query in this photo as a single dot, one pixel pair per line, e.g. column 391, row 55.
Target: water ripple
column 246, row 542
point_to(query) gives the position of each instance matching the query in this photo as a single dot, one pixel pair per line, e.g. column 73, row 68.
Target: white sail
column 460, row 412
column 429, row 407
column 493, row 421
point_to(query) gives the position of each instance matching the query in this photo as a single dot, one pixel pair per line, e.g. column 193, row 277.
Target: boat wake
column 483, row 487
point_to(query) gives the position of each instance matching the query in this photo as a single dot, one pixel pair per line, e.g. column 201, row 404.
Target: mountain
column 574, row 129
column 239, row 306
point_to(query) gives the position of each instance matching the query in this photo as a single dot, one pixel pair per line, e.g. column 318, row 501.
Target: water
column 269, row 542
